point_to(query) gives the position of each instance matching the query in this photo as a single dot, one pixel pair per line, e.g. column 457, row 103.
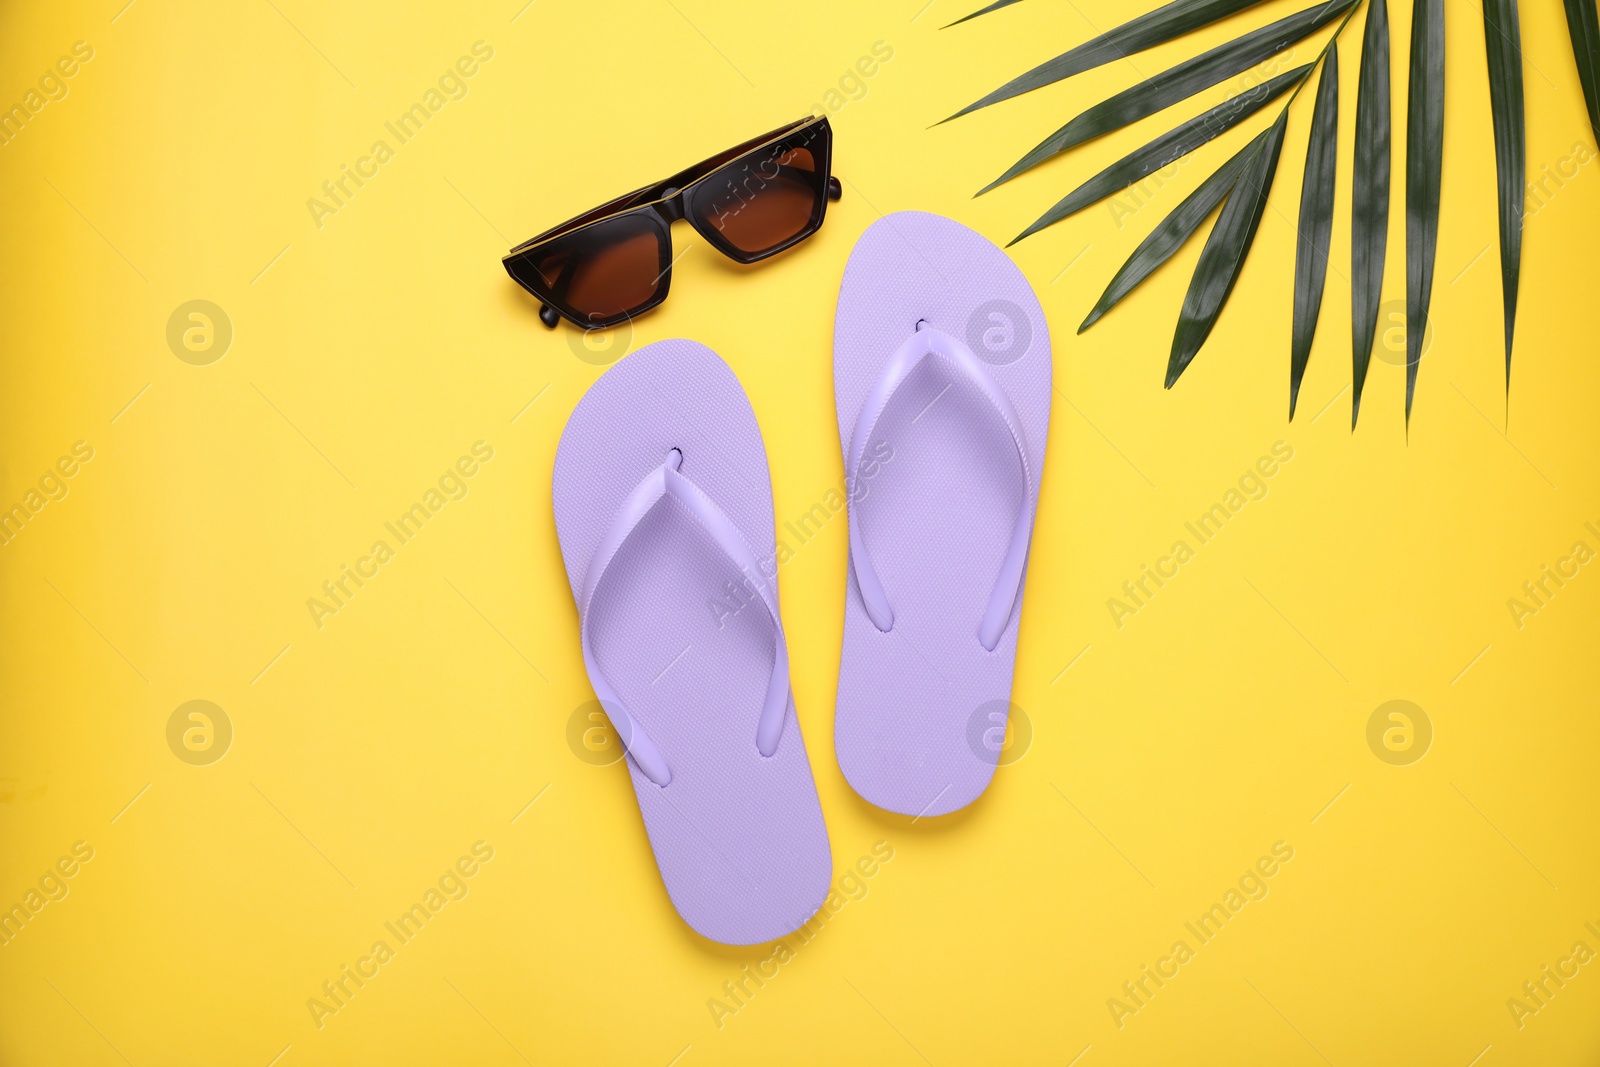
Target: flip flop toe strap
column 925, row 342
column 662, row 482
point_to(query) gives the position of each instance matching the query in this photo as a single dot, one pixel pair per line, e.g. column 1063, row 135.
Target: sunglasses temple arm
column 835, row 190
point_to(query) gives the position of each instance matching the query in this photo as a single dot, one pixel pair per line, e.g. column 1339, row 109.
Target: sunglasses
column 750, row 202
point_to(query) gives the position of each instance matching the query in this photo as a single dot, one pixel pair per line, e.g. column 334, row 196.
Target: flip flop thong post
column 663, row 506
column 941, row 370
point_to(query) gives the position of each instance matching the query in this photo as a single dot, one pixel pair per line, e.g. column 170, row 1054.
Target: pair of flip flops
column 663, row 507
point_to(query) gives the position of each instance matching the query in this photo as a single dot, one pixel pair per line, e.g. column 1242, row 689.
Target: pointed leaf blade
column 1157, row 27
column 1179, row 83
column 1316, row 222
column 1168, row 147
column 996, row 6
column 1369, row 199
column 1173, row 232
column 1584, row 26
column 1224, row 253
column 1424, row 156
column 1503, row 35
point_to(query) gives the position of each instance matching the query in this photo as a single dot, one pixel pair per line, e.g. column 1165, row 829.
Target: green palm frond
column 1140, row 164
column 1179, row 84
column 1173, row 231
column 1223, row 256
column 1424, row 168
column 996, row 6
column 1147, row 31
column 1369, row 198
column 1503, row 36
column 1240, row 186
column 1316, row 223
column 1584, row 27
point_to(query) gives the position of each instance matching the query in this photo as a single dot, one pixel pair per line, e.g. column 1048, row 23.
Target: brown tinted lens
column 601, row 271
column 761, row 201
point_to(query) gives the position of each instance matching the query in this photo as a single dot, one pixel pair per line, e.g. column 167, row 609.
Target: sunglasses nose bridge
column 671, row 206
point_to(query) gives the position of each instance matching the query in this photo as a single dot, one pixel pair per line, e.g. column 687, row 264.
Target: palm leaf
column 1242, row 186
column 1179, row 83
column 1316, row 222
column 1173, row 231
column 1369, row 197
column 1159, row 26
column 1424, row 155
column 1166, row 148
column 1224, row 253
column 1585, row 30
column 996, row 6
column 1503, row 34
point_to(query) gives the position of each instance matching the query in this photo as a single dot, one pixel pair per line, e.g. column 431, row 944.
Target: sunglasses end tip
column 549, row 316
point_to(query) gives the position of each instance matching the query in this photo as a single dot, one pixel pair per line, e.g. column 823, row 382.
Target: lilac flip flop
column 663, row 506
column 941, row 376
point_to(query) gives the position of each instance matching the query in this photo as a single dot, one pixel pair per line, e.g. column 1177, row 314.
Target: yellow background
column 369, row 754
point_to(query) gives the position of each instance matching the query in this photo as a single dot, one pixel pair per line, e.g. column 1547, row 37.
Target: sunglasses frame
column 665, row 202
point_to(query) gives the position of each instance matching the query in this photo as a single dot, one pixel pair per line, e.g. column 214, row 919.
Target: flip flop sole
column 738, row 837
column 921, row 707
